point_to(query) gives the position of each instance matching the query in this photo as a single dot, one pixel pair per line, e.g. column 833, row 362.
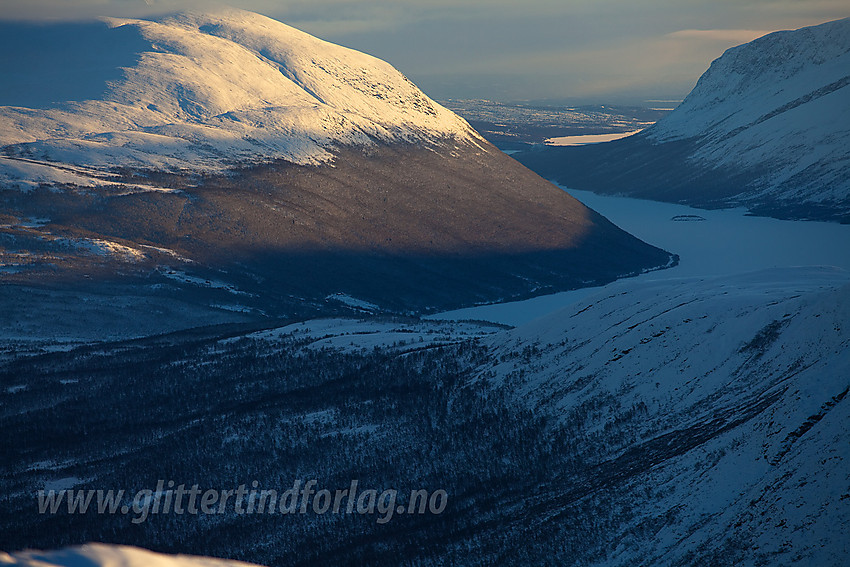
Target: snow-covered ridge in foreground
column 102, row 555
column 199, row 92
column 723, row 401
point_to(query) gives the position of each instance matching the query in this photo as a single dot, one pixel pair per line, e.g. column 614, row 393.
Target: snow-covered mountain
column 715, row 408
column 766, row 127
column 669, row 422
column 229, row 152
column 199, row 92
column 102, row 555
column 176, row 207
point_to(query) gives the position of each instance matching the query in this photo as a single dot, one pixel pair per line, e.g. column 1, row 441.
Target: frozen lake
column 588, row 138
column 723, row 242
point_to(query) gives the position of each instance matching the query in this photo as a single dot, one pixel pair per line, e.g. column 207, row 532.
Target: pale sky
column 604, row 51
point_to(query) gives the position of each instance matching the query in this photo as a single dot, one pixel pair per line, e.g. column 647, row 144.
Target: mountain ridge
column 274, row 169
column 204, row 91
column 764, row 128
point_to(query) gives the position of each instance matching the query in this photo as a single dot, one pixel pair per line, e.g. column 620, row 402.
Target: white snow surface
column 647, row 361
column 205, row 91
column 352, row 335
column 103, row 555
column 777, row 104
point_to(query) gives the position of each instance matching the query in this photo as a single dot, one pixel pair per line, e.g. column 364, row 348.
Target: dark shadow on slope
column 425, row 283
column 636, row 167
column 408, row 229
column 80, row 59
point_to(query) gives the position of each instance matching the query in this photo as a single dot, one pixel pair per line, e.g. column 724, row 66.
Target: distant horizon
column 545, row 51
column 624, row 101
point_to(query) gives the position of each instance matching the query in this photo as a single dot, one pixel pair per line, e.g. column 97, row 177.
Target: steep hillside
column 717, row 407
column 230, row 155
column 765, row 127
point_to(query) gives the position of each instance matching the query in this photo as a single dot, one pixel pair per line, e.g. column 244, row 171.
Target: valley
column 238, row 258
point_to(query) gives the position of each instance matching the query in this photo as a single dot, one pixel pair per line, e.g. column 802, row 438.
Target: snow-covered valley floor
column 709, row 243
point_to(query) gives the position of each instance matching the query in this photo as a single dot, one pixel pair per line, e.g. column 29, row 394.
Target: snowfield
column 201, row 92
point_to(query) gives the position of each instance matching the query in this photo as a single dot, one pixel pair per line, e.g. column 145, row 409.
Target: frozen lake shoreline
column 726, row 242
